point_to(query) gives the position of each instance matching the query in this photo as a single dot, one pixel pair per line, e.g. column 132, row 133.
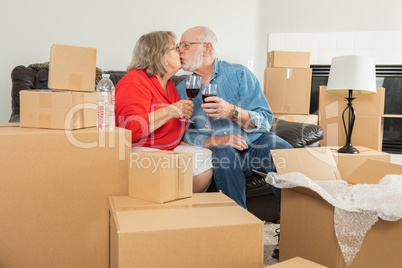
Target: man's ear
column 208, row 48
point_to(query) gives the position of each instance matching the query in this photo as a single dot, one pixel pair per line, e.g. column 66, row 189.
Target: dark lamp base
column 348, row 149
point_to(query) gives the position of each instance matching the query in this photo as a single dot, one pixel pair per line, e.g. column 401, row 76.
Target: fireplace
column 389, row 77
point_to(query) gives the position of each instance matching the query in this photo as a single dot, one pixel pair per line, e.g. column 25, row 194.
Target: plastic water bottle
column 105, row 91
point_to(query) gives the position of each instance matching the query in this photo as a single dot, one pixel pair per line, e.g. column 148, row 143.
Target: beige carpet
column 270, row 242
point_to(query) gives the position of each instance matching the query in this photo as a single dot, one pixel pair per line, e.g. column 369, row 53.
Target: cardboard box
column 54, row 195
column 367, row 105
column 299, row 118
column 288, row 90
column 367, row 131
column 72, row 68
column 58, row 109
column 348, row 163
column 307, row 221
column 206, row 230
column 369, row 123
column 297, row 262
column 161, row 176
column 289, row 59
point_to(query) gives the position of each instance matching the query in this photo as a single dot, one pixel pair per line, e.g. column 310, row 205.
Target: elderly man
column 239, row 115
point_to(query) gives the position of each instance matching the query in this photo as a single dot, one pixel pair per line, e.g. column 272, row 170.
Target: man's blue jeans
column 231, row 167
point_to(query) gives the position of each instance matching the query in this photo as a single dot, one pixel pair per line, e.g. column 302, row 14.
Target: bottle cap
column 105, row 75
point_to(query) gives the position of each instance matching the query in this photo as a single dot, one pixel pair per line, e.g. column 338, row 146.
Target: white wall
column 324, row 16
column 325, row 46
column 28, row 28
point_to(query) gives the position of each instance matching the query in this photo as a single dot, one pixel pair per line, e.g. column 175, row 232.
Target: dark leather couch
column 260, row 199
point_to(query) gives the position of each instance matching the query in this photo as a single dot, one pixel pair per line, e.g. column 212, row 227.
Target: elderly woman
column 148, row 104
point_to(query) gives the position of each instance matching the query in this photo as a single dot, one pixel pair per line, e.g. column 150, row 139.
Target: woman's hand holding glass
column 182, row 109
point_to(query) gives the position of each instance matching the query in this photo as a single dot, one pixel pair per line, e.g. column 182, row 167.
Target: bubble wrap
column 357, row 207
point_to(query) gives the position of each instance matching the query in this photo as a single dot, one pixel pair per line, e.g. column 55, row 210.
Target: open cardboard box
column 206, row 230
column 297, row 262
column 307, row 221
column 348, row 163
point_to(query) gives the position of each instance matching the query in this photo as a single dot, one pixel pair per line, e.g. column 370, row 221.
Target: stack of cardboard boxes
column 70, row 103
column 161, row 223
column 58, row 171
column 73, row 196
column 288, row 85
column 307, row 220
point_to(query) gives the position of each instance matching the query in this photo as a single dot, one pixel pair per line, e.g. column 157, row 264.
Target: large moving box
column 367, row 105
column 307, row 220
column 54, row 191
column 160, row 176
column 369, row 122
column 206, row 230
column 288, row 82
column 367, row 131
column 288, row 90
column 72, row 68
column 58, row 109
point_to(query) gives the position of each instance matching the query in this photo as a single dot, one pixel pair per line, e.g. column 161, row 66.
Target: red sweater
column 137, row 95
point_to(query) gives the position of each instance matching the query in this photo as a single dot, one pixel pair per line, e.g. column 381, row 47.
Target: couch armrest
column 297, row 134
column 22, row 78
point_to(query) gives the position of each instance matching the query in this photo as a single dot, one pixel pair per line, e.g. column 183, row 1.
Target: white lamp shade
column 355, row 73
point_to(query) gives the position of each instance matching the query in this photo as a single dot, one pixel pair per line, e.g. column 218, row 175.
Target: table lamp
column 352, row 75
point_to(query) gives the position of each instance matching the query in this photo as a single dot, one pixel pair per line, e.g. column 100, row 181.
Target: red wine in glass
column 204, row 96
column 193, row 85
column 192, row 93
column 208, row 90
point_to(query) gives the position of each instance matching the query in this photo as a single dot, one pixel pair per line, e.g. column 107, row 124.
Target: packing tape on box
column 45, row 99
column 45, row 105
column 181, row 181
column 289, row 73
column 357, row 207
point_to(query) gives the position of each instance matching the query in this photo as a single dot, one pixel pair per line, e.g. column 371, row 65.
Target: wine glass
column 193, row 84
column 208, row 90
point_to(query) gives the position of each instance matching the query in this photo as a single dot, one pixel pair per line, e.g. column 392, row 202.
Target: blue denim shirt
column 236, row 85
